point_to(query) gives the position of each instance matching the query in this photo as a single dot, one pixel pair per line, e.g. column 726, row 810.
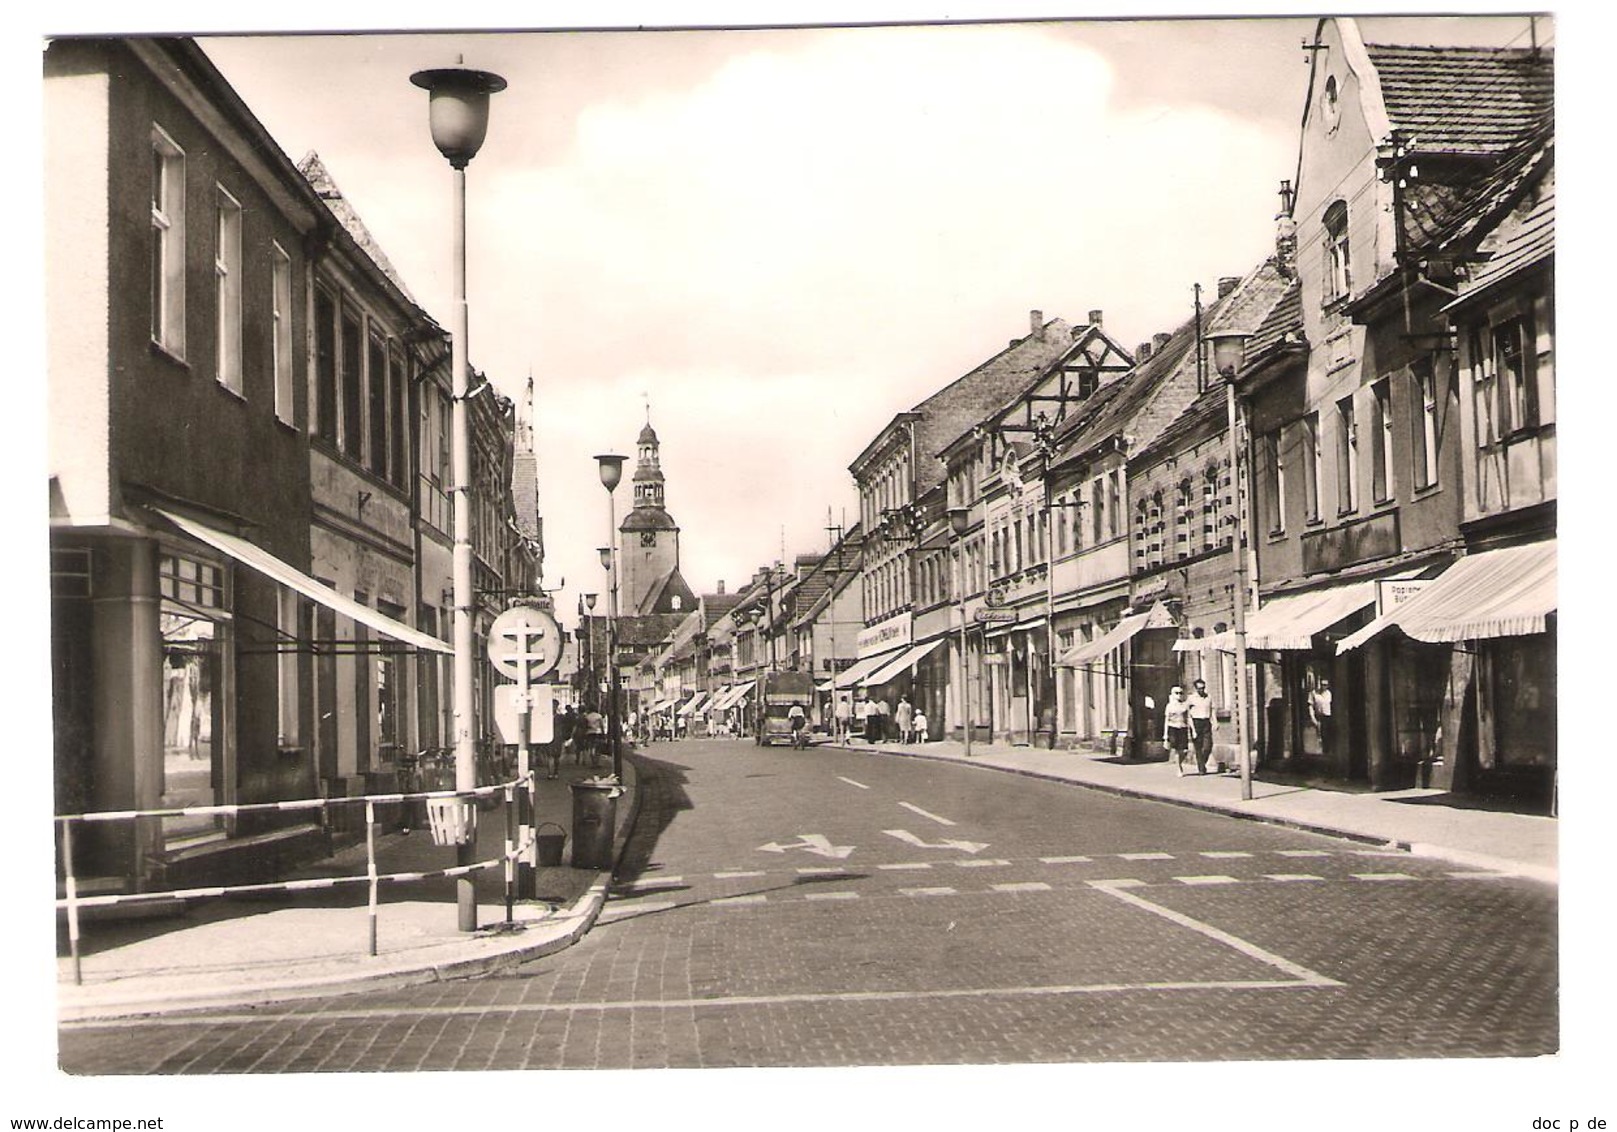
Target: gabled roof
column 1282, row 327
column 669, row 585
column 715, row 606
column 1523, row 236
column 1464, row 100
column 325, row 186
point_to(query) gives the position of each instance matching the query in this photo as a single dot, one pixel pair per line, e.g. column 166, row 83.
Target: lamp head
column 959, row 519
column 457, row 109
column 611, row 468
column 606, row 556
column 589, row 602
column 1229, row 350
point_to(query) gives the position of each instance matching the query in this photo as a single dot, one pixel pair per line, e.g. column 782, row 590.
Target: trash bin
column 548, row 840
column 595, row 812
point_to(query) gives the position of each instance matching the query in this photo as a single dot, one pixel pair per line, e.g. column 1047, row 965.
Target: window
column 1517, row 390
column 1338, row 275
column 325, row 365
column 1381, row 472
column 1142, row 535
column 288, row 614
column 348, row 378
column 1313, row 461
column 281, row 330
column 1183, row 520
column 376, row 374
column 1098, row 495
column 1424, row 430
column 1114, row 502
column 399, row 416
column 1274, row 462
column 227, row 291
column 1347, row 457
column 168, row 244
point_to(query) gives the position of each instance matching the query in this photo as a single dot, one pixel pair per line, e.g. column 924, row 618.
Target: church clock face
column 648, row 538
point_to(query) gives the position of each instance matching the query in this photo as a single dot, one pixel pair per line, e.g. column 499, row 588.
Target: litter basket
column 453, row 820
column 595, row 809
column 549, row 845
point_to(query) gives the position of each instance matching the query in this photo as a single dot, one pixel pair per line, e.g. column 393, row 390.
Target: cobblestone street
column 974, row 918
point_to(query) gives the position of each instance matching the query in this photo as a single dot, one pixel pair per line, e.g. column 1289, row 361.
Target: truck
column 780, row 691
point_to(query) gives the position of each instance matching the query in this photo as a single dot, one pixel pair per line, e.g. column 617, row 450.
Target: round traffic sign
column 525, row 636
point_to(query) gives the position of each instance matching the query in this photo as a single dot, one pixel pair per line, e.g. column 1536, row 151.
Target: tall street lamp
column 457, row 112
column 611, row 469
column 1229, row 354
column 589, row 680
column 959, row 522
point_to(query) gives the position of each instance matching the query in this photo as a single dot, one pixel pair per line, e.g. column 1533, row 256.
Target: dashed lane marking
column 1302, row 852
column 748, row 873
column 908, row 865
column 750, row 898
column 830, row 896
column 1500, row 874
column 822, row 871
column 1225, row 854
column 1207, row 880
column 1023, row 886
column 851, row 782
column 939, row 891
column 1146, row 856
column 982, row 864
column 616, row 909
column 1382, row 876
column 1250, row 950
column 1066, row 860
column 1292, row 876
column 649, row 882
column 925, row 814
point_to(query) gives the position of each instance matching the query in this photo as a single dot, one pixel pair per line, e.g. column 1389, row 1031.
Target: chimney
column 1142, row 352
column 1227, row 283
column 1095, row 318
column 1159, row 340
column 1286, row 234
column 721, row 587
column 1036, row 324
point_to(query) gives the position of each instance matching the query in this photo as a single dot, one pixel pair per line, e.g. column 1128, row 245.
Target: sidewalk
column 244, row 951
column 1426, row 823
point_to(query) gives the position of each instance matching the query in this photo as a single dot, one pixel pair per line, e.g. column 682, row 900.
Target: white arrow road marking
column 851, row 782
column 816, row 843
column 925, row 814
column 909, row 838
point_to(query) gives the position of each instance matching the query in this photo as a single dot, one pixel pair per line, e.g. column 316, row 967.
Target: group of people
column 1187, row 724
column 885, row 723
column 581, row 734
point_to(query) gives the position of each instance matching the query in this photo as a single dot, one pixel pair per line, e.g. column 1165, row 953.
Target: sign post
column 525, row 643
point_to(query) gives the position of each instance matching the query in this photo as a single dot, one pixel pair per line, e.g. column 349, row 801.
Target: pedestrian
column 903, row 719
column 844, row 713
column 1201, row 724
column 1319, row 711
column 588, row 744
column 920, row 726
column 884, row 721
column 571, row 725
column 561, row 725
column 1176, row 726
column 861, row 713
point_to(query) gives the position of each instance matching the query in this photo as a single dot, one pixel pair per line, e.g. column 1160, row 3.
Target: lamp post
column 611, row 469
column 959, row 521
column 1229, row 353
column 457, row 113
column 588, row 678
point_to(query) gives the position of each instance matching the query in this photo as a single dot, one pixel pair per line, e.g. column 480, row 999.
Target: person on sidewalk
column 1176, row 727
column 1201, row 724
column 1319, row 710
column 882, row 716
column 920, row 726
column 904, row 718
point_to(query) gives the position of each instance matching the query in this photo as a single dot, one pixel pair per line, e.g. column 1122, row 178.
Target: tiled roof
column 1532, row 242
column 1504, row 185
column 1284, row 324
column 325, row 186
column 1464, row 100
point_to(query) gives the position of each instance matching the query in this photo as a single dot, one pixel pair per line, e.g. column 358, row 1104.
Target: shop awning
column 729, row 699
column 902, row 663
column 1291, row 622
column 1080, row 655
column 1015, row 627
column 693, row 703
column 256, row 558
column 1498, row 593
column 855, row 674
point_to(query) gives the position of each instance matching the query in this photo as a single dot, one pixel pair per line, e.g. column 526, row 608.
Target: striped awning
column 693, row 704
column 1080, row 655
column 731, row 697
column 1497, row 593
column 1293, row 621
column 901, row 663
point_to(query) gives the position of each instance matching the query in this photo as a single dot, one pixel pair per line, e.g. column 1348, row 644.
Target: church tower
column 649, row 539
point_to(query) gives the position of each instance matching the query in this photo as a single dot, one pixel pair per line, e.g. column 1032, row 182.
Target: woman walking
column 1176, row 726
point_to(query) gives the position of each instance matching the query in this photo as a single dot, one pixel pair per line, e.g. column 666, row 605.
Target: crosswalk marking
column 1494, row 875
column 1207, row 880
column 908, row 865
column 1023, row 886
column 750, row 898
column 1292, row 876
column 974, row 864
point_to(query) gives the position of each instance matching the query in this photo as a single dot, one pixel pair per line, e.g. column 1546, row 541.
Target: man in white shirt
column 1201, row 724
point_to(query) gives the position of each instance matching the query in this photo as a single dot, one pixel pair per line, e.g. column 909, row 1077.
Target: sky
column 774, row 240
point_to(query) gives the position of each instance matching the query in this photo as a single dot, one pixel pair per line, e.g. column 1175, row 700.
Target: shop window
column 168, row 243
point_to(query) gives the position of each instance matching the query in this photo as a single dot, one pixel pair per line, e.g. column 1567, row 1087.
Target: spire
column 524, row 437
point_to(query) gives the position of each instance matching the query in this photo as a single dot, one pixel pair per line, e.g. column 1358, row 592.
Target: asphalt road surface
column 831, row 908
